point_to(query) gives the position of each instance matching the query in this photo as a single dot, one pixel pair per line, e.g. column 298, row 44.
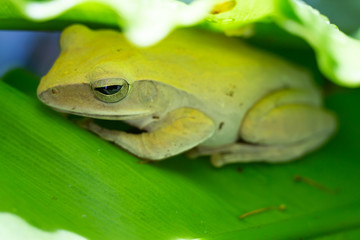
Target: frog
column 196, row 92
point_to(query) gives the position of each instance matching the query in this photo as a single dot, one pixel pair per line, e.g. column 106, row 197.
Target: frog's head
column 107, row 98
column 91, row 78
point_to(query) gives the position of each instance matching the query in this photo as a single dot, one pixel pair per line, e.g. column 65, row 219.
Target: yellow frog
column 194, row 90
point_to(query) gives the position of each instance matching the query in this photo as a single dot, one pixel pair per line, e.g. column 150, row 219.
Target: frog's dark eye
column 110, row 90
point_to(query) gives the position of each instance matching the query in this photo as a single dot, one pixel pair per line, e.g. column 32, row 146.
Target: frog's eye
column 110, row 90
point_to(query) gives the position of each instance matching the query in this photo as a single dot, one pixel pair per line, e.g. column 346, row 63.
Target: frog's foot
column 90, row 125
column 245, row 153
column 104, row 133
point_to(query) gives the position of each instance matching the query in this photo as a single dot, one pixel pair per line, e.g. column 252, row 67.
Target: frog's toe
column 217, row 160
column 193, row 153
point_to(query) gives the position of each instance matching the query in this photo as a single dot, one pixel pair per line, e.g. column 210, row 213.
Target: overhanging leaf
column 337, row 54
column 144, row 22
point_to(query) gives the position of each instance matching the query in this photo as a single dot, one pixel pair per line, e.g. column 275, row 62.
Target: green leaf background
column 56, row 175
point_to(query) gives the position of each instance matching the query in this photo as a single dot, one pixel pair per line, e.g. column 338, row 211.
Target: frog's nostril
column 54, row 91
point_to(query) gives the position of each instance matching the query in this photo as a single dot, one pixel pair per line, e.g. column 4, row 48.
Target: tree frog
column 195, row 90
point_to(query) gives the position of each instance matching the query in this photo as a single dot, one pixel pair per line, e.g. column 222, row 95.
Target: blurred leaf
column 56, row 175
column 243, row 13
column 144, row 23
column 344, row 14
column 338, row 55
column 11, row 17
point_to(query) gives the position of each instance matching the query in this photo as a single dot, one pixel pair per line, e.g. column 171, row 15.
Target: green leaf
column 56, row 175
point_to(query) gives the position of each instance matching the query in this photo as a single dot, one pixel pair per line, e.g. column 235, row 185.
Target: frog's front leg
column 181, row 130
column 282, row 126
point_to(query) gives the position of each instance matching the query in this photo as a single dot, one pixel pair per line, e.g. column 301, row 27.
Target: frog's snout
column 43, row 95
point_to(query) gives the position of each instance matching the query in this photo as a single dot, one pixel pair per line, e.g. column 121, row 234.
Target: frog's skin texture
column 194, row 90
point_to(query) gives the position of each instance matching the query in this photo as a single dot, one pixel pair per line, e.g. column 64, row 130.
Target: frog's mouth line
column 105, row 117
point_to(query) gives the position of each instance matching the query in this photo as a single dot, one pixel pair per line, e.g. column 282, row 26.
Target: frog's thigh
column 179, row 131
column 286, row 117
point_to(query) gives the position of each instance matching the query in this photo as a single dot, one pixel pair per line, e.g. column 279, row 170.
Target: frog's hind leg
column 281, row 127
column 242, row 152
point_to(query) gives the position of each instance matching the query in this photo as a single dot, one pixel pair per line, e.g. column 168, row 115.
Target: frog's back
column 223, row 68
